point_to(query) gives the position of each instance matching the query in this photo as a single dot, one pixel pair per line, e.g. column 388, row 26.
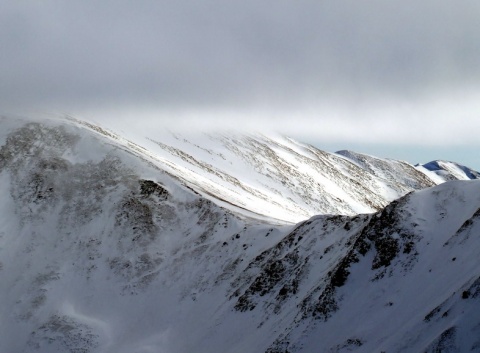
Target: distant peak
column 451, row 170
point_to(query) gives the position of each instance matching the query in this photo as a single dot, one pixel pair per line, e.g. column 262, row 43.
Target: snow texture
column 173, row 244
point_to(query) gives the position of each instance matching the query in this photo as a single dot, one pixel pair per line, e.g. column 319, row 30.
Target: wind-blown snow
column 108, row 246
column 270, row 177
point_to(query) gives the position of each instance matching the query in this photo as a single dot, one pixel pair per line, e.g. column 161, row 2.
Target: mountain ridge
column 103, row 251
column 277, row 177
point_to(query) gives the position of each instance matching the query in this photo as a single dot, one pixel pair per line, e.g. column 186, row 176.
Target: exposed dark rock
column 446, row 342
column 149, row 187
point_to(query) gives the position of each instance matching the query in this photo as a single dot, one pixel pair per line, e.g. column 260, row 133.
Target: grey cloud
column 233, row 53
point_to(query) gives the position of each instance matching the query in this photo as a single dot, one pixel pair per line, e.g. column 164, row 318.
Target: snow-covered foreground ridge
column 105, row 249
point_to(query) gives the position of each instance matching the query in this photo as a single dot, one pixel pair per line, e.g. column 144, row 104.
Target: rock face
column 106, row 246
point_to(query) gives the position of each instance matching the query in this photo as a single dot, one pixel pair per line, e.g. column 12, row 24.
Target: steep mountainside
column 272, row 177
column 406, row 279
column 106, row 246
column 102, row 251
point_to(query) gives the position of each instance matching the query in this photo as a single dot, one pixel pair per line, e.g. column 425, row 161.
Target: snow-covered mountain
column 406, row 279
column 272, row 177
column 442, row 171
column 169, row 243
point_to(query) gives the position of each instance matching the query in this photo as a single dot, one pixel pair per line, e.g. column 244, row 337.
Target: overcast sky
column 373, row 72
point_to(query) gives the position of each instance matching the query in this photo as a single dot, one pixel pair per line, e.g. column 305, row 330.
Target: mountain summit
column 229, row 243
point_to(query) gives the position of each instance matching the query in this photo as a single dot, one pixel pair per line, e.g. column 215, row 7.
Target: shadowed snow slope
column 108, row 246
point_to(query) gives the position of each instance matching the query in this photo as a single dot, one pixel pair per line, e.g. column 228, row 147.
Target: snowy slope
column 272, row 176
column 445, row 171
column 395, row 170
column 102, row 251
column 106, row 246
column 406, row 279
